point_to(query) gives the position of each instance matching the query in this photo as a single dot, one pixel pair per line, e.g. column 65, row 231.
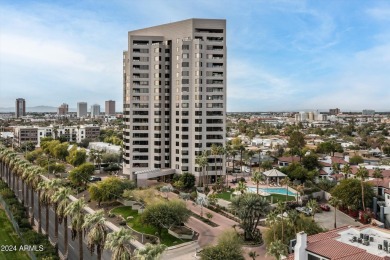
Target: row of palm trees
column 54, row 193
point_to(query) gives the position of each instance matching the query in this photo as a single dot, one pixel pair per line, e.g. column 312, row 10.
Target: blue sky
column 282, row 54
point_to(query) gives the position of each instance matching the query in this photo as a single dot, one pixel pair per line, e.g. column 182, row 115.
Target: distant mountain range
column 37, row 109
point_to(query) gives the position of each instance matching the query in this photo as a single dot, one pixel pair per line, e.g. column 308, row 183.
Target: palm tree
column 313, row 205
column 61, row 202
column 201, row 160
column 257, row 177
column 233, row 153
column 253, row 255
column 292, row 219
column 259, row 152
column 363, row 174
column 75, row 210
column 272, row 218
column 277, row 249
column 215, row 153
column 47, row 189
column 241, row 149
column 150, row 252
column 286, row 181
column 335, row 202
column 249, row 155
column 346, row 170
column 241, row 187
column 116, row 242
column 377, row 174
column 280, row 209
column 97, row 232
column 33, row 178
column 221, row 153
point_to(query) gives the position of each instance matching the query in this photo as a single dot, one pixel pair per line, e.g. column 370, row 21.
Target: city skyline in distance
column 319, row 55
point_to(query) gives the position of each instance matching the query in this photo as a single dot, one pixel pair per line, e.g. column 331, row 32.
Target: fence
column 15, row 225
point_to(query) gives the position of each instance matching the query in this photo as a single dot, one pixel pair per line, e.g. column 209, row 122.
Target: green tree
column 355, row 160
column 81, row 174
column 61, row 202
column 76, row 157
column 362, row 173
column 75, row 210
column 336, row 203
column 241, row 187
column 150, row 252
column 346, row 170
column 349, row 191
column 313, row 206
column 117, row 242
column 96, row 232
column 188, row 180
column 310, row 162
column 61, row 151
column 250, row 208
column 296, row 140
column 109, row 189
column 229, row 247
column 165, row 214
column 277, row 249
column 257, row 177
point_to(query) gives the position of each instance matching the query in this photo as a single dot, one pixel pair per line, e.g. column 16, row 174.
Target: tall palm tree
column 286, row 181
column 241, row 187
column 362, row 174
column 249, row 155
column 61, row 202
column 97, row 232
column 272, row 218
column 336, row 203
column 116, row 242
column 214, row 152
column 241, row 149
column 292, row 219
column 233, row 153
column 47, row 189
column 277, row 249
column 221, row 153
column 257, row 177
column 313, row 205
column 202, row 162
column 150, row 252
column 75, row 210
column 346, row 170
column 377, row 174
column 280, row 209
column 33, row 178
column 259, row 152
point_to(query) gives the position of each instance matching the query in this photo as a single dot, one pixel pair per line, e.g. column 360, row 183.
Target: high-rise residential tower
column 63, row 109
column 20, row 107
column 95, row 110
column 82, row 109
column 110, row 108
column 175, row 97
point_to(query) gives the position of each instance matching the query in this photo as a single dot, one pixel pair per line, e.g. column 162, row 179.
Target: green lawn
column 9, row 237
column 135, row 223
column 276, row 197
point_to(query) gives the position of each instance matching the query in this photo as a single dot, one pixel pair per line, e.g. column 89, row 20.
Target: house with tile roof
column 344, row 243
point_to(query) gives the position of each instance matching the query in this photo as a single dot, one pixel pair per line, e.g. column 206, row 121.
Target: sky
column 283, row 55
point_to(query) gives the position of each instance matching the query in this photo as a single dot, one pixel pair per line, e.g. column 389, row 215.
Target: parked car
column 94, row 179
column 304, row 210
column 325, row 207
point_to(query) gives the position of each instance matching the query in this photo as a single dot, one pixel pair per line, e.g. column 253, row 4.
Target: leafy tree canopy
column 349, row 192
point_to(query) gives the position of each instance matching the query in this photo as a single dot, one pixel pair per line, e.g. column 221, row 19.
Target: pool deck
column 250, row 184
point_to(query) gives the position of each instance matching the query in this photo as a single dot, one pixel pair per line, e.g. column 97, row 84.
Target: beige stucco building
column 174, row 89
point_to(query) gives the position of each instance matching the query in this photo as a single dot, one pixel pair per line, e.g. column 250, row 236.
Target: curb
column 182, row 245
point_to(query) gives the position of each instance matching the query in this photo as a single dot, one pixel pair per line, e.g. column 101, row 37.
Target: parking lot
column 326, row 219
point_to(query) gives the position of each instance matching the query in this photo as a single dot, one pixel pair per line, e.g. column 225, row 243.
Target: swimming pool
column 273, row 190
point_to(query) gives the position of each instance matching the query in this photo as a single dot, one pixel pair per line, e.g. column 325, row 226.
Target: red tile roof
column 289, row 159
column 338, row 160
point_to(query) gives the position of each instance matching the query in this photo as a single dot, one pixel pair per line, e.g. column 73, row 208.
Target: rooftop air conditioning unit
column 379, row 247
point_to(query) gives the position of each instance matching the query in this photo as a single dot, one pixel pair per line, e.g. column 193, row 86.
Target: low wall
column 181, row 236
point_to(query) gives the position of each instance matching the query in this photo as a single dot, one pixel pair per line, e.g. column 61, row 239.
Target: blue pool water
column 273, row 190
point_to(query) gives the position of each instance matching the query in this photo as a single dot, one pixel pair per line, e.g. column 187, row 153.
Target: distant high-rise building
column 63, row 109
column 175, row 98
column 110, row 108
column 368, row 112
column 82, row 109
column 95, row 110
column 20, row 107
column 334, row 111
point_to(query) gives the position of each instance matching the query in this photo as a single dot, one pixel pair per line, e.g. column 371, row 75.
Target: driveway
column 326, row 219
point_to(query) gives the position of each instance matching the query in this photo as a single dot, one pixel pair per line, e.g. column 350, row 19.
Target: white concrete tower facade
column 174, row 88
